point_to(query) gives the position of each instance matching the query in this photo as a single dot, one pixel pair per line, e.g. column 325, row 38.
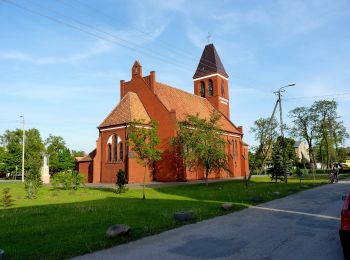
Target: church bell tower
column 211, row 80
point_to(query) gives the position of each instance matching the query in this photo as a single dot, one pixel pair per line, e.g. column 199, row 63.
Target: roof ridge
column 127, row 110
column 166, row 85
column 114, row 108
column 204, row 101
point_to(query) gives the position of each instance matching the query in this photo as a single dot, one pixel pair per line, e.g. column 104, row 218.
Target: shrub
column 121, row 181
column 68, row 180
column 32, row 184
column 299, row 173
column 6, row 198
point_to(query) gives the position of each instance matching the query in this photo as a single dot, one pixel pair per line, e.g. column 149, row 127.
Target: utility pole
column 279, row 101
column 23, row 147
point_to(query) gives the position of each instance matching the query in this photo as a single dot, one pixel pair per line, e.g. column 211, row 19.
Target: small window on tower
column 202, row 89
column 210, row 88
column 222, row 88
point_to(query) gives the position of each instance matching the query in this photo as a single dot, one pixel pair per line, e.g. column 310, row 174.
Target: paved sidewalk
column 301, row 226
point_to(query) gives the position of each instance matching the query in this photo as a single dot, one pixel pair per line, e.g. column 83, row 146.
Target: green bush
column 299, row 173
column 67, row 180
column 6, row 198
column 121, row 181
column 32, row 184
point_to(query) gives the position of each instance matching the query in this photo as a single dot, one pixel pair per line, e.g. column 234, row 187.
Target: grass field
column 61, row 224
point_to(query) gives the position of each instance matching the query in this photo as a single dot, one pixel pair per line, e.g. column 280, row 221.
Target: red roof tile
column 185, row 103
column 129, row 109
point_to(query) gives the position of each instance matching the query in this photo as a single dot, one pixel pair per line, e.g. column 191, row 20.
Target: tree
column 341, row 154
column 280, row 169
column 144, row 140
column 78, row 153
column 34, row 151
column 201, row 144
column 12, row 155
column 60, row 158
column 12, row 143
column 265, row 133
column 305, row 127
column 330, row 132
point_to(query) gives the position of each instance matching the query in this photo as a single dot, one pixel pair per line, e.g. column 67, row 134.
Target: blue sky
column 65, row 80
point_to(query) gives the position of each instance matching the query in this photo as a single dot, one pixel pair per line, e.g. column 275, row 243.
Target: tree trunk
column 144, row 183
column 206, row 175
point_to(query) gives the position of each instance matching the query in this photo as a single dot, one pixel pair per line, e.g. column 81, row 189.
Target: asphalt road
column 301, row 226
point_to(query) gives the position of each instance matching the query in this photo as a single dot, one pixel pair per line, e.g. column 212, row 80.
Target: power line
column 146, row 35
column 163, row 43
column 107, row 33
column 90, row 33
column 148, row 53
column 319, row 96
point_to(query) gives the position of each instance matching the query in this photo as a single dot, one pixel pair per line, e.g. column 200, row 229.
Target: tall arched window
column 121, row 151
column 109, row 152
column 210, row 88
column 222, row 88
column 115, row 148
column 236, row 151
column 202, row 89
column 233, row 149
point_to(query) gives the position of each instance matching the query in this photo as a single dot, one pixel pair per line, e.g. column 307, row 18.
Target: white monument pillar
column 45, row 175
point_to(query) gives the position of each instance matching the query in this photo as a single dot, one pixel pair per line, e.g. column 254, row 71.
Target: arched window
column 202, row 89
column 109, row 152
column 210, row 88
column 233, row 149
column 115, row 148
column 121, row 151
column 236, row 151
column 222, row 88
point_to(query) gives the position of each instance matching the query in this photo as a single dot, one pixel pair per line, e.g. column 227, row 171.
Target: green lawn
column 64, row 224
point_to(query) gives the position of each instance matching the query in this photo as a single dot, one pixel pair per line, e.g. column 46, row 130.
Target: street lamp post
column 23, row 147
column 279, row 101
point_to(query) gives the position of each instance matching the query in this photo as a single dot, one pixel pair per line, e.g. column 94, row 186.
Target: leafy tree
column 2, row 159
column 201, row 144
column 330, row 132
column 77, row 153
column 305, row 127
column 12, row 151
column 280, row 169
column 34, row 149
column 265, row 132
column 341, row 154
column 12, row 143
column 60, row 158
column 143, row 141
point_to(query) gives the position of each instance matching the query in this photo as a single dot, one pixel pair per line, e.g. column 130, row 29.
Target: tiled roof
column 210, row 63
column 129, row 109
column 87, row 158
column 185, row 103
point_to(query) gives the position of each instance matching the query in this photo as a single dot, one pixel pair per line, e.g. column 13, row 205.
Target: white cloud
column 99, row 48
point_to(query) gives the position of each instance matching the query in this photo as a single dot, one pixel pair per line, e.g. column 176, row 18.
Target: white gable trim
column 215, row 74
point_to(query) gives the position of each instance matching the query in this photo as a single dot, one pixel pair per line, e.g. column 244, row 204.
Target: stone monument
column 45, row 175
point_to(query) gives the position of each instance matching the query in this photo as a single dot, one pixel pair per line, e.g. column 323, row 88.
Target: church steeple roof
column 209, row 63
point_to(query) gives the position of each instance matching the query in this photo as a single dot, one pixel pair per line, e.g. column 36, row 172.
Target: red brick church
column 143, row 98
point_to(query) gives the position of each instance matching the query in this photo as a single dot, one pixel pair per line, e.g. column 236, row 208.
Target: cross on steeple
column 208, row 37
